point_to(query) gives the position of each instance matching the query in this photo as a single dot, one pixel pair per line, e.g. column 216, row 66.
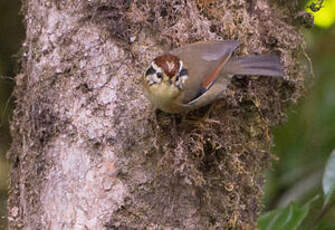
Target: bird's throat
column 162, row 95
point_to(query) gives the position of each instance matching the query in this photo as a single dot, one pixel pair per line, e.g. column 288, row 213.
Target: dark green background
column 11, row 38
column 303, row 144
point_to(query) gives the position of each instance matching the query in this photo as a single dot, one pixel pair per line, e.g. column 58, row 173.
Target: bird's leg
column 199, row 117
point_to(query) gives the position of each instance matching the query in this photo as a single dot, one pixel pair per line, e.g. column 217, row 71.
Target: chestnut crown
column 168, row 68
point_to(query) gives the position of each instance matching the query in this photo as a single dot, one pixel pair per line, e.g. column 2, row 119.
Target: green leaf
column 288, row 218
column 328, row 181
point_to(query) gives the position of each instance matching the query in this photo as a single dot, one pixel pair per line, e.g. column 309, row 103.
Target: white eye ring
column 155, row 75
column 154, row 79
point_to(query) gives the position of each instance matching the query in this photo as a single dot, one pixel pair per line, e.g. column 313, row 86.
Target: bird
column 193, row 76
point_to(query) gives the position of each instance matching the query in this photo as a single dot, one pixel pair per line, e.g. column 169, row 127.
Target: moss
column 220, row 151
column 209, row 162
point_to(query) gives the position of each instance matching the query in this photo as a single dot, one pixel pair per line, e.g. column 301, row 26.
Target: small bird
column 196, row 75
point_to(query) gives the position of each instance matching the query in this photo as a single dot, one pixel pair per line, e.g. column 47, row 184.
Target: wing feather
column 264, row 65
column 204, row 61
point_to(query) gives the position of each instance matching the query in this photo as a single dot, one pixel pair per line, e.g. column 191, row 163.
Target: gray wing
column 211, row 95
column 265, row 65
column 201, row 59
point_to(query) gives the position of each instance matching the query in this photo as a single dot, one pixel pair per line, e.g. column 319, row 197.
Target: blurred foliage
column 305, row 142
column 292, row 216
column 288, row 218
column 11, row 36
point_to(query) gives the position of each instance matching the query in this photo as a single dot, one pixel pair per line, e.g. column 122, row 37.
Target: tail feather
column 264, row 65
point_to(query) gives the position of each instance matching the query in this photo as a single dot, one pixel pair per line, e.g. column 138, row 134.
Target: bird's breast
column 164, row 97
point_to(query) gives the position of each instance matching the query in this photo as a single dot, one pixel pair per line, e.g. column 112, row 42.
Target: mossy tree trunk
column 89, row 151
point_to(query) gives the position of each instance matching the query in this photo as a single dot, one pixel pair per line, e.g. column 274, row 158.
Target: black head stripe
column 183, row 72
column 150, row 71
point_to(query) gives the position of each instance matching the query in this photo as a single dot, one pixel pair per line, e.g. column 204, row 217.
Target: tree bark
column 89, row 151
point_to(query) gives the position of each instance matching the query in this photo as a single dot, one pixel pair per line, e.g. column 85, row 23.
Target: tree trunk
column 90, row 152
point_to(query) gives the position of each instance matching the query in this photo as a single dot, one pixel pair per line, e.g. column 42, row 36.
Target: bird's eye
column 150, row 71
column 153, row 74
column 183, row 72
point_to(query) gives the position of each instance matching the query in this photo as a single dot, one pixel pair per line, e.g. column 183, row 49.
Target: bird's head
column 165, row 77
